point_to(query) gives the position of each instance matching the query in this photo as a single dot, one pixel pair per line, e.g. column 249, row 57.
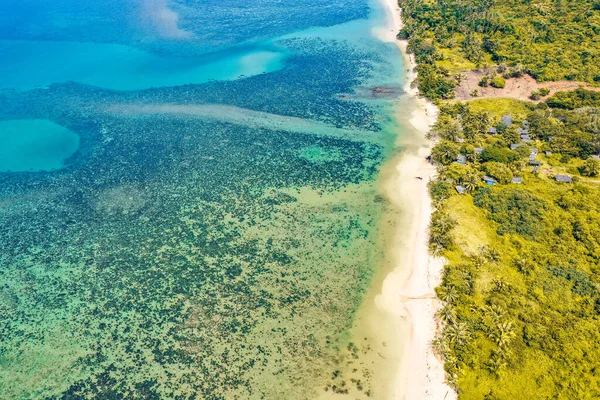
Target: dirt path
column 516, row 88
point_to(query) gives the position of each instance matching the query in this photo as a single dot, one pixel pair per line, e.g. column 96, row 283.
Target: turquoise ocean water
column 188, row 196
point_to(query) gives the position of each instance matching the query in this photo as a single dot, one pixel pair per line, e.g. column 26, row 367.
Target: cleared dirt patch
column 516, row 88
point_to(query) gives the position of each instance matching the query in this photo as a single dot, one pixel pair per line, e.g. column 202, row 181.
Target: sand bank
column 408, row 291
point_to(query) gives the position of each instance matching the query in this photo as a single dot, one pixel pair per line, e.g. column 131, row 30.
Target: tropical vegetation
column 550, row 40
column 521, row 287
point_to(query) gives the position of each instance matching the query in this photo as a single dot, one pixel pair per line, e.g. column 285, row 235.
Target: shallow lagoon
column 35, row 145
column 119, row 67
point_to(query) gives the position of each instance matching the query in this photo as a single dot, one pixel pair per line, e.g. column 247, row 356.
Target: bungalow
column 489, row 180
column 492, row 131
column 479, row 150
column 517, row 179
column 515, row 146
column 563, row 178
column 461, row 159
column 461, row 189
column 506, row 120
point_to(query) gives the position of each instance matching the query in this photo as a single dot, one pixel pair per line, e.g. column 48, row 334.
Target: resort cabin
column 563, row 178
column 492, row 131
column 506, row 120
column 515, row 146
column 461, row 189
column 489, row 180
column 461, row 159
column 517, row 179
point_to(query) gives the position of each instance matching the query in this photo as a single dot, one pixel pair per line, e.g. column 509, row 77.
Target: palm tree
column 492, row 255
column 498, row 361
column 496, row 312
column 448, row 294
column 470, row 181
column 500, row 286
column 524, row 266
column 448, row 154
column 440, row 346
column 505, row 334
column 457, row 333
column 445, row 152
column 446, row 315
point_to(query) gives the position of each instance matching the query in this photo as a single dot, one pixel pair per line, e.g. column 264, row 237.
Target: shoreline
column 408, row 290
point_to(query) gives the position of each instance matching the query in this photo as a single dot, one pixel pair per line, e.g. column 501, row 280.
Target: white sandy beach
column 408, row 291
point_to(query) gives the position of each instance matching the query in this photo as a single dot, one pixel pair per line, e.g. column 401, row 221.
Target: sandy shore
column 408, row 291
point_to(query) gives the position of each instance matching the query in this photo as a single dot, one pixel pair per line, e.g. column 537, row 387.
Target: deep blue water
column 188, row 206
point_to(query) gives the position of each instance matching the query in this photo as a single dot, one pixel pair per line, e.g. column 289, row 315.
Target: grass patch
column 473, row 229
column 454, row 61
column 498, row 107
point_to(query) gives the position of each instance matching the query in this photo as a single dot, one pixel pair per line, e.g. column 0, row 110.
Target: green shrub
column 574, row 99
column 498, row 82
column 434, row 82
column 535, row 95
column 439, row 190
column 439, row 231
column 515, row 210
column 498, row 171
column 499, row 154
column 403, row 34
column 539, row 93
column 590, row 167
column 544, row 91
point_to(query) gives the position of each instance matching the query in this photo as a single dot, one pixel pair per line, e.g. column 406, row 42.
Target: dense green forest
column 521, row 288
column 549, row 39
